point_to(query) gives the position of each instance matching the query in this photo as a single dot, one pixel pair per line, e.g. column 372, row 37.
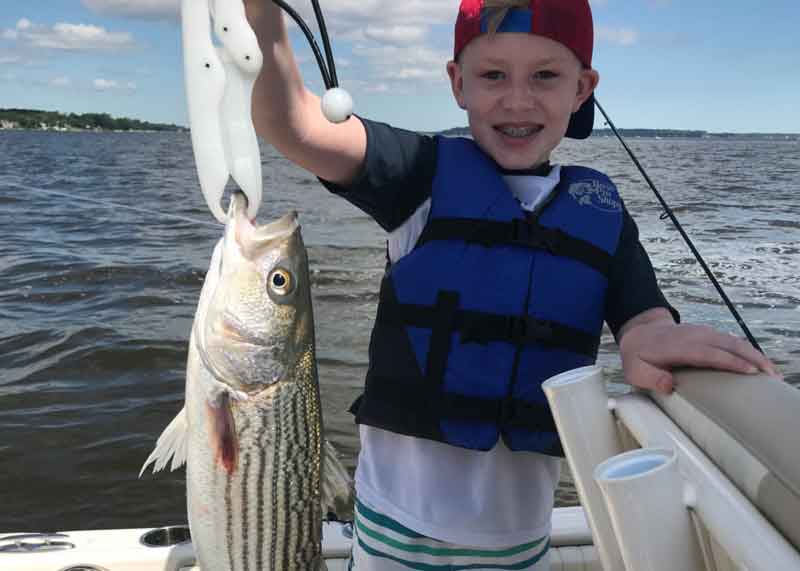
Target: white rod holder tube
column 747, row 537
column 644, row 494
column 579, row 402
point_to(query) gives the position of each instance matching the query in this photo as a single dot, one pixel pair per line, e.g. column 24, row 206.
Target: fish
column 259, row 474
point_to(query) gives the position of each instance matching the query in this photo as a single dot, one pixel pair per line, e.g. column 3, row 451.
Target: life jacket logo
column 596, row 194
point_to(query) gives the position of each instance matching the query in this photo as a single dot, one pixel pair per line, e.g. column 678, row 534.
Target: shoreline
column 92, row 130
column 598, row 133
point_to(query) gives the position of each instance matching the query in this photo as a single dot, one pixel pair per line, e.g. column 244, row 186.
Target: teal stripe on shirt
column 449, row 566
column 447, row 551
column 383, row 522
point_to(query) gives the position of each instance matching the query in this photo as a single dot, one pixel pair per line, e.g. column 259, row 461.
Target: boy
column 502, row 269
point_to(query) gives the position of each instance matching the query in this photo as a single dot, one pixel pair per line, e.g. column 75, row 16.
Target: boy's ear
column 456, row 82
column 587, row 82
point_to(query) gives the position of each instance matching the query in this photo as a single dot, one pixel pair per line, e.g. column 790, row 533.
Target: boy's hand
column 258, row 10
column 651, row 344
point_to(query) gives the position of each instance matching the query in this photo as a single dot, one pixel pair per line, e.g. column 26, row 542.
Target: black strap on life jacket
column 481, row 327
column 517, row 232
column 443, row 317
column 416, row 396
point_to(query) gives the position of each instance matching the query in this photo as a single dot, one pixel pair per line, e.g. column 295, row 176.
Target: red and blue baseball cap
column 568, row 22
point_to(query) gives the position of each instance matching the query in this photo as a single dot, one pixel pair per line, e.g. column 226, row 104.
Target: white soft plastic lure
column 219, row 85
column 242, row 153
column 236, row 35
column 204, row 78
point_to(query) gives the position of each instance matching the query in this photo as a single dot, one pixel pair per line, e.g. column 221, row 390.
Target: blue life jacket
column 488, row 305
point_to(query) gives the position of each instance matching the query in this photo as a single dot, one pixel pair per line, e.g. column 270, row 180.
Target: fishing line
column 110, row 204
column 671, row 215
column 328, row 70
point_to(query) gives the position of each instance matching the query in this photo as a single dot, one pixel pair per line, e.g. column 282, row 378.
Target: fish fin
column 172, row 444
column 336, row 482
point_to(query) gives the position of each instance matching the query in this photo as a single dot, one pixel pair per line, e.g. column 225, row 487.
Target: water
column 96, row 302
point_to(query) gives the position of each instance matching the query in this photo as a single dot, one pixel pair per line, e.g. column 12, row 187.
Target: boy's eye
column 545, row 74
column 493, row 75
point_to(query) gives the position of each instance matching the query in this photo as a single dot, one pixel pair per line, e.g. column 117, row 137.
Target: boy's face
column 519, row 91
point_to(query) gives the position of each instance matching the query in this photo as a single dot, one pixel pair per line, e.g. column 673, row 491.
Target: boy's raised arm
column 289, row 116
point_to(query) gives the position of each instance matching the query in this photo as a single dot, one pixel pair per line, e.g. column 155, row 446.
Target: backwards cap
column 568, row 22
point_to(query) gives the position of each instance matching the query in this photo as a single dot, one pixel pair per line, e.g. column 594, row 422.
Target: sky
column 713, row 65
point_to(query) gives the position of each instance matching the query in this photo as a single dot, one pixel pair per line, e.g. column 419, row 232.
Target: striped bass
column 251, row 431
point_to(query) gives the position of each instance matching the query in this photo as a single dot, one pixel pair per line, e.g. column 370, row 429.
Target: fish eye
column 280, row 281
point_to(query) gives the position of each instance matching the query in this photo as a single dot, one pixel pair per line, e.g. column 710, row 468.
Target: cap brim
column 582, row 121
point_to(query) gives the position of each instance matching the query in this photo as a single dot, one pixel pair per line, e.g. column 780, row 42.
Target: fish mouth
column 251, row 238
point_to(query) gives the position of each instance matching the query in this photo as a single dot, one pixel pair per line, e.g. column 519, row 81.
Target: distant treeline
column 662, row 133
column 36, row 119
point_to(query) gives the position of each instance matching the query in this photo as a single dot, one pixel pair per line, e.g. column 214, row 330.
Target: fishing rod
column 671, row 215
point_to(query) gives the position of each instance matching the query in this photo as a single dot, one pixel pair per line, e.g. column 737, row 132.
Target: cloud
column 113, row 85
column 395, row 34
column 378, row 88
column 391, row 43
column 60, row 82
column 6, row 59
column 139, row 9
column 356, row 13
column 405, row 62
column 66, row 36
column 401, row 20
column 620, row 36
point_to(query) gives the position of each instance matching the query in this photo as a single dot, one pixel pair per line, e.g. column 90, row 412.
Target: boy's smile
column 519, row 91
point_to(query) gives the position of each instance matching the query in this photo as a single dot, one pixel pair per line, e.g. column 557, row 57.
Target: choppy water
column 96, row 303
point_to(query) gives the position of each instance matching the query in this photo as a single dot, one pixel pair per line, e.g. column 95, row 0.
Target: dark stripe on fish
column 260, row 498
column 291, row 517
column 229, row 519
column 275, row 472
column 245, row 475
column 285, row 499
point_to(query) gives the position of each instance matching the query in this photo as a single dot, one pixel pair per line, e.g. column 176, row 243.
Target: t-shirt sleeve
column 632, row 286
column 396, row 176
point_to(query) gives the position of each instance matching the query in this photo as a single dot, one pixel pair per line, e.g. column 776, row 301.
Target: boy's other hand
column 652, row 344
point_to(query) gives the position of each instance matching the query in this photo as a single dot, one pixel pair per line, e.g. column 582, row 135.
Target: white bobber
column 337, row 105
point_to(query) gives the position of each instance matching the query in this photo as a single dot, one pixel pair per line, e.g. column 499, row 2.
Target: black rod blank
column 684, row 235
